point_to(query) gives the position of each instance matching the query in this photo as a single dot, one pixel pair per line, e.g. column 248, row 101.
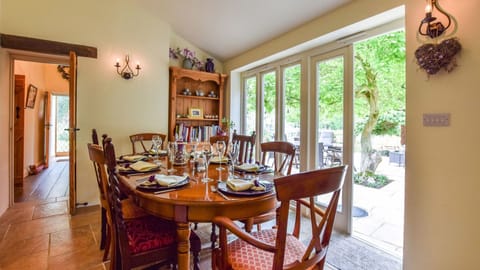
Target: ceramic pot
column 187, row 63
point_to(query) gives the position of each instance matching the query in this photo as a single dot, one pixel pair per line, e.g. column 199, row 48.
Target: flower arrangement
column 186, row 54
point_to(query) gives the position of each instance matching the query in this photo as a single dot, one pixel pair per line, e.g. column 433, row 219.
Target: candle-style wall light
column 127, row 72
column 436, row 32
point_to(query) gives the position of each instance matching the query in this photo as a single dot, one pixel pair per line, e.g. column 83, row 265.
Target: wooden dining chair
column 216, row 138
column 143, row 139
column 280, row 156
column 281, row 248
column 143, row 240
column 95, row 153
column 105, row 225
column 246, row 144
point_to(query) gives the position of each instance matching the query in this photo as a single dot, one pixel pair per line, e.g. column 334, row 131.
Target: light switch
column 436, row 119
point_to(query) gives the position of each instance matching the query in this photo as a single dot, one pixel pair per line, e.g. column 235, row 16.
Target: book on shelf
column 186, row 133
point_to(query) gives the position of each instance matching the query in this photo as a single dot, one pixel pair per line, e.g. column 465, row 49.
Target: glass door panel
column 291, row 109
column 333, row 123
column 250, row 86
column 269, row 107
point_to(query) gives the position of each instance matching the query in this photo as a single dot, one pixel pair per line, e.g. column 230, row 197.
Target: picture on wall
column 31, row 96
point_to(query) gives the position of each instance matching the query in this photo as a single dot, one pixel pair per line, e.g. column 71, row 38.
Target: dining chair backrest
column 216, row 138
column 246, row 144
column 143, row 240
column 94, row 136
column 145, row 141
column 97, row 157
column 307, row 186
column 283, row 154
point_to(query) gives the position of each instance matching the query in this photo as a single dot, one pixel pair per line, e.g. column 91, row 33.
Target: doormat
column 62, row 159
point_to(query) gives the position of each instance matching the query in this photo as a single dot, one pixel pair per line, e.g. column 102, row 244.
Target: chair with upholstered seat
column 142, row 142
column 280, row 156
column 140, row 240
column 279, row 248
column 246, row 144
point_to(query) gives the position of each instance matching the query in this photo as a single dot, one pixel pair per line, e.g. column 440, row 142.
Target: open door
column 46, row 131
column 72, row 130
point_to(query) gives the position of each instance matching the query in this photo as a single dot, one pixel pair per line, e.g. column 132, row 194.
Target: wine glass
column 172, row 152
column 156, row 145
column 232, row 155
column 207, row 154
column 220, row 151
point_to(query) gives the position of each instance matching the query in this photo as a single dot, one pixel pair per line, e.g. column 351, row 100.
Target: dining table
column 197, row 201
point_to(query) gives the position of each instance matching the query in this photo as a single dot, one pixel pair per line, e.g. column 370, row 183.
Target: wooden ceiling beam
column 45, row 46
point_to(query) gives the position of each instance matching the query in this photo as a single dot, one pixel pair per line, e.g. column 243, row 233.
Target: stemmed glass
column 221, row 152
column 156, row 145
column 172, row 152
column 232, row 155
column 207, row 153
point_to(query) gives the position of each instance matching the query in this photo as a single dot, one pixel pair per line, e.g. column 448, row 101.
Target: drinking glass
column 220, row 151
column 207, row 153
column 172, row 152
column 232, row 155
column 156, row 145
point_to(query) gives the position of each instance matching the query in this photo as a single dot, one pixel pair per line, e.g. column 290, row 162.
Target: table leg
column 183, row 248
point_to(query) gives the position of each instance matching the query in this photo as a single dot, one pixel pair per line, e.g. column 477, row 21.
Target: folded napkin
column 248, row 167
column 142, row 166
column 169, row 180
column 160, row 152
column 219, row 160
column 133, row 158
column 239, row 185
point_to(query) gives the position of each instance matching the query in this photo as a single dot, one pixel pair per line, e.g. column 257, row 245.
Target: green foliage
column 372, row 180
column 386, row 55
column 388, row 123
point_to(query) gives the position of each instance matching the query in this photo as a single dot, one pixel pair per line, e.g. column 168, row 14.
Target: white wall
column 443, row 185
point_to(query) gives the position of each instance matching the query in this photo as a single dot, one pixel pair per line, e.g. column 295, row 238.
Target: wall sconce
column 127, row 72
column 430, row 26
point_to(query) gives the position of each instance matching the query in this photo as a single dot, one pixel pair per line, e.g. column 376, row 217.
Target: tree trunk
column 370, row 159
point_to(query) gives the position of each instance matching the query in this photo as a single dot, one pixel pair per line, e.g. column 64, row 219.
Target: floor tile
column 84, row 258
column 37, row 261
column 12, row 250
column 50, row 209
column 36, row 227
column 70, row 240
column 16, row 215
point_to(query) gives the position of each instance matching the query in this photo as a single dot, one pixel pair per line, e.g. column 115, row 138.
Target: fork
column 215, row 190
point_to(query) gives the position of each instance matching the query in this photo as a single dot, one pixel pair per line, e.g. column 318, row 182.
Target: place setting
column 253, row 168
column 159, row 183
column 245, row 186
column 138, row 167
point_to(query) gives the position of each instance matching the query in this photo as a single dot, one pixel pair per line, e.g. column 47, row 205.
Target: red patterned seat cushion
column 245, row 256
column 149, row 233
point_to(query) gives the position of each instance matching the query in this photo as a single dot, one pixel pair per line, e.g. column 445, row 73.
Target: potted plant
column 225, row 126
column 189, row 59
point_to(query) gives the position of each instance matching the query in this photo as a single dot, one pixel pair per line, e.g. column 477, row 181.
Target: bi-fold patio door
column 331, row 126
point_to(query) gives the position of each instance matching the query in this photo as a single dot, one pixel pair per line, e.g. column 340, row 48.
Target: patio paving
column 383, row 227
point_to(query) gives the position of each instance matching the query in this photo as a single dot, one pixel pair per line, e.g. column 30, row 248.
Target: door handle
column 72, row 129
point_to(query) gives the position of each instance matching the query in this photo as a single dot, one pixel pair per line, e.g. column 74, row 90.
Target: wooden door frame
column 44, row 51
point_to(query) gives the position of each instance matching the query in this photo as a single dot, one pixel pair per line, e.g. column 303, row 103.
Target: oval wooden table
column 195, row 202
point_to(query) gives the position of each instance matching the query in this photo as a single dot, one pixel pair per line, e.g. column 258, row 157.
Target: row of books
column 187, row 133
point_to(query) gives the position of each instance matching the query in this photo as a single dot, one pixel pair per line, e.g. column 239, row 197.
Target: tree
column 380, row 92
